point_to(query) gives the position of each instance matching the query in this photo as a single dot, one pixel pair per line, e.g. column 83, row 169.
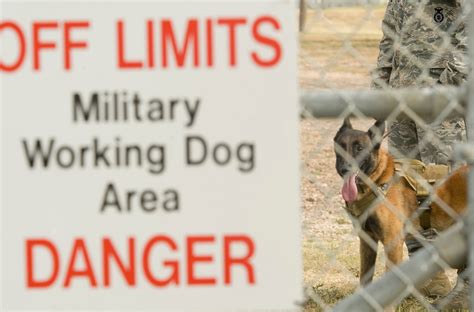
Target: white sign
column 150, row 156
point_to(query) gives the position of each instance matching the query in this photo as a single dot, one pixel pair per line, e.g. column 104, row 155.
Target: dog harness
column 419, row 177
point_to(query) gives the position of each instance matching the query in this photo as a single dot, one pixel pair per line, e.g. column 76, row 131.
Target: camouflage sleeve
column 381, row 74
column 456, row 68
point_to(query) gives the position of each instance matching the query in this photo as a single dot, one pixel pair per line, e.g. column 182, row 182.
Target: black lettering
column 100, row 154
column 38, row 151
column 116, row 107
column 111, row 199
column 226, row 154
column 125, row 106
column 148, row 200
column 83, row 150
column 130, row 195
column 69, row 161
column 171, row 202
column 192, row 111
column 246, row 157
column 173, row 103
column 155, row 111
column 156, row 158
column 136, row 103
column 128, row 152
column 86, row 113
column 190, row 160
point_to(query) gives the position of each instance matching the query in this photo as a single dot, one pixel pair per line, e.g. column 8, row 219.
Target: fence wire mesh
column 382, row 185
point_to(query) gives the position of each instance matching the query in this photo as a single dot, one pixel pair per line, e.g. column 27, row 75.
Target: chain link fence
column 385, row 105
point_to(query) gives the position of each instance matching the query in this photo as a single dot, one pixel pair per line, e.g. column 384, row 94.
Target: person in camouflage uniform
column 424, row 44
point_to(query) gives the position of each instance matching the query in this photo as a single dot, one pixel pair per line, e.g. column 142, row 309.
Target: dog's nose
column 344, row 171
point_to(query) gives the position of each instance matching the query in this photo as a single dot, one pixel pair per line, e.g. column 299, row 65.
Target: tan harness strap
column 421, row 178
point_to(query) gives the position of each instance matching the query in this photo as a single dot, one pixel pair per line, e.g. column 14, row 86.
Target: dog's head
column 356, row 151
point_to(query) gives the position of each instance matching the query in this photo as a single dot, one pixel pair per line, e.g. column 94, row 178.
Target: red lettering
column 69, row 44
column 31, row 282
column 21, row 44
column 191, row 38
column 38, row 45
column 275, row 45
column 79, row 248
column 122, row 62
column 109, row 252
column 174, row 265
column 232, row 24
column 244, row 261
column 237, row 254
column 210, row 43
column 151, row 44
column 192, row 259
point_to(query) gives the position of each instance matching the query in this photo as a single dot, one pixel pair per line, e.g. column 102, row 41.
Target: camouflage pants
column 434, row 144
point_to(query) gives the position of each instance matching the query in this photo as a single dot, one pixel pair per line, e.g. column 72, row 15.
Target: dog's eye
column 359, row 148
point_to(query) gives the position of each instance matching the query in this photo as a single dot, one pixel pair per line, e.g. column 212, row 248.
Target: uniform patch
column 438, row 16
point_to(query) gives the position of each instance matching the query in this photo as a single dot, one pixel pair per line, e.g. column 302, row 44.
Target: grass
column 338, row 42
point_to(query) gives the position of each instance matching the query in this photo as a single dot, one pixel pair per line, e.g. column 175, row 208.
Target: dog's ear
column 376, row 133
column 345, row 125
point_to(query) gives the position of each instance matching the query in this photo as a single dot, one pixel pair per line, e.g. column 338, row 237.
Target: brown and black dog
column 359, row 158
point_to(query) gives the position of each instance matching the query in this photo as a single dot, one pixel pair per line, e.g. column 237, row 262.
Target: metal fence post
column 470, row 132
column 302, row 18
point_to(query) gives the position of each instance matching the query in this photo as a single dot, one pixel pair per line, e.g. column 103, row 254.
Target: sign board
column 149, row 156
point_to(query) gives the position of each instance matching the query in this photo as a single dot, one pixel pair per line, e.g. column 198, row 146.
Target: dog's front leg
column 394, row 252
column 367, row 261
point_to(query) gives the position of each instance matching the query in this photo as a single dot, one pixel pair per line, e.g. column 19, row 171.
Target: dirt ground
column 338, row 50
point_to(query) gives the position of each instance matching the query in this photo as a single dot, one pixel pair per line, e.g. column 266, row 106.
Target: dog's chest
column 369, row 224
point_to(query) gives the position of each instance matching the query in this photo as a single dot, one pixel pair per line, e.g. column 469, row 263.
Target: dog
column 368, row 170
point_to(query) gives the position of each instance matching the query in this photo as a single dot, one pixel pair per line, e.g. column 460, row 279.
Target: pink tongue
column 349, row 189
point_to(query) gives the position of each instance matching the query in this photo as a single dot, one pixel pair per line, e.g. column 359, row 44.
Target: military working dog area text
column 339, row 48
